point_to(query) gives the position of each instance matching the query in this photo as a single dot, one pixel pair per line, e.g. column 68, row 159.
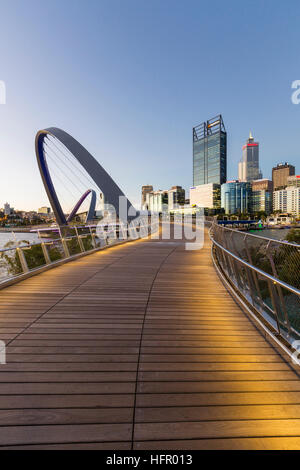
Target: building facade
column 7, row 209
column 236, row 197
column 262, row 196
column 249, row 164
column 157, row 201
column 44, row 210
column 293, row 201
column 280, row 219
column 262, row 184
column 280, row 200
column 176, row 197
column 280, row 174
column 287, row 200
column 145, row 190
column 210, row 152
column 206, row 195
column 164, row 200
column 293, row 181
column 262, row 201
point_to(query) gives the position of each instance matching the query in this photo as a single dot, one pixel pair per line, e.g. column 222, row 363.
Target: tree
column 260, row 215
column 293, row 236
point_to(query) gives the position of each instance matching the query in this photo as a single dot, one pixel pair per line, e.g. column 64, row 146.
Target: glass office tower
column 236, row 197
column 262, row 196
column 210, row 152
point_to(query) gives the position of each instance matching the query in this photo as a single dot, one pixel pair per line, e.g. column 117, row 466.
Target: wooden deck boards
column 140, row 346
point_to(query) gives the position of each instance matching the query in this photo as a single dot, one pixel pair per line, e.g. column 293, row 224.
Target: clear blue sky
column 130, row 78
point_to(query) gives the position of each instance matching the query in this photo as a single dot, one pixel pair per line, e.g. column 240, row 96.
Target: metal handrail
column 29, row 245
column 283, row 242
column 276, row 301
column 275, row 280
column 20, row 249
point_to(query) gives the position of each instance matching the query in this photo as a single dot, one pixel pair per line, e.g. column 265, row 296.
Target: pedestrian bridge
column 140, row 346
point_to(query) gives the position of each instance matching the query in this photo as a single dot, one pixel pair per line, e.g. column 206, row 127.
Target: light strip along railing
column 265, row 273
column 22, row 258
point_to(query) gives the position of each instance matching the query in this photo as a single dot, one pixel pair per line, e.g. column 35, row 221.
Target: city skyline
column 138, row 205
column 135, row 99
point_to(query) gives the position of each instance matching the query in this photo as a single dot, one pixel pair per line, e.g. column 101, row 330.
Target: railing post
column 45, row 253
column 279, row 290
column 274, row 303
column 253, row 273
column 93, row 235
column 22, row 259
column 65, row 247
column 218, row 234
column 123, row 232
column 234, row 268
column 242, row 280
column 80, row 242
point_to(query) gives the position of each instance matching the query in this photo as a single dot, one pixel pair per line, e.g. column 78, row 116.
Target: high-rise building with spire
column 210, row 152
column 249, row 164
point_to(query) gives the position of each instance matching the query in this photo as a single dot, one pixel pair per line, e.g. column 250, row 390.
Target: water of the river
column 6, row 237
column 276, row 234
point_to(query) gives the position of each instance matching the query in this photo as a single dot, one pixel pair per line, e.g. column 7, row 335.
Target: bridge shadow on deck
column 139, row 346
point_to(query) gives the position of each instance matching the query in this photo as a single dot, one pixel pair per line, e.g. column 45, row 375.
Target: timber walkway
column 140, row 346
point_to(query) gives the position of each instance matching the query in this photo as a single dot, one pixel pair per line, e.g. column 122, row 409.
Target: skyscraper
column 280, row 174
column 249, row 164
column 210, row 152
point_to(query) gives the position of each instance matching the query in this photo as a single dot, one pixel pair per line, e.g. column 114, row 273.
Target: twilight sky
column 130, row 78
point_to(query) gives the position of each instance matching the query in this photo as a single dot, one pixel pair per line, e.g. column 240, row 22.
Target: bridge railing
column 265, row 273
column 63, row 244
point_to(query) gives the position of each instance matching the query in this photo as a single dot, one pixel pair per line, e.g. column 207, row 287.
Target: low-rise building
column 293, row 181
column 148, row 188
column 176, row 197
column 280, row 219
column 164, row 200
column 206, row 195
column 7, row 209
column 287, row 200
column 157, row 201
column 262, row 196
column 44, row 210
column 293, row 200
column 280, row 200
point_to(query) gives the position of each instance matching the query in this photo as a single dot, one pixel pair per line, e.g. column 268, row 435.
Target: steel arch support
column 91, row 211
column 102, row 179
